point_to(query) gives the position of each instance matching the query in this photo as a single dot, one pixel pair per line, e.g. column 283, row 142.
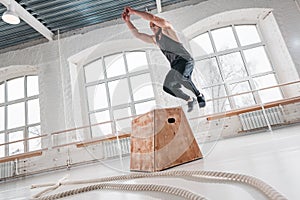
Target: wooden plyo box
column 160, row 139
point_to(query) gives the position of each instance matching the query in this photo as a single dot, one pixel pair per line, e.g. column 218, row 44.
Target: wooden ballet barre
column 254, row 108
column 21, row 156
column 23, row 140
column 79, row 128
column 104, row 139
column 64, row 145
column 88, row 126
column 256, row 90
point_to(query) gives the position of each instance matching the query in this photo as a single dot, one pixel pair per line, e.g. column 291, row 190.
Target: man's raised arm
column 142, row 36
column 149, row 17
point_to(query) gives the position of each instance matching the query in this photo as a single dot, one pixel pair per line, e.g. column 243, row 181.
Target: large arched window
column 234, row 60
column 117, row 86
column 19, row 115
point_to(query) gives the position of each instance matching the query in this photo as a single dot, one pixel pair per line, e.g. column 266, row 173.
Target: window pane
column 14, row 136
column 125, row 124
column 218, row 105
column 121, row 113
column 232, row 66
column 265, row 81
column 224, row 38
column 119, row 92
column 247, row 34
column 15, row 89
column 34, row 144
column 33, row 111
column 201, row 45
column 208, row 71
column 136, row 61
column 15, row 115
column 2, row 93
column 102, row 129
column 99, row 117
column 114, row 65
column 245, row 99
column 142, row 87
column 16, row 148
column 34, row 131
column 94, row 71
column 270, row 95
column 2, row 118
column 2, row 148
column 142, row 108
column 32, row 85
column 257, row 60
column 97, row 97
column 240, row 87
column 215, row 92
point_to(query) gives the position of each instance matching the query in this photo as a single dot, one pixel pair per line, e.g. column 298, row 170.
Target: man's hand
column 125, row 17
column 142, row 36
column 128, row 10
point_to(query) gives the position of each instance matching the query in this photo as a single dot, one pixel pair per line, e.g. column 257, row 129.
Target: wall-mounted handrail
column 246, row 109
column 23, row 140
column 253, row 108
column 22, row 156
column 208, row 117
column 104, row 139
column 255, row 90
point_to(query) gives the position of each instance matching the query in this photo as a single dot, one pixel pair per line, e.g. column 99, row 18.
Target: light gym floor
column 273, row 157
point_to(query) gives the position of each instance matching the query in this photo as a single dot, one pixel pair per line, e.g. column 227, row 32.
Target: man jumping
column 182, row 63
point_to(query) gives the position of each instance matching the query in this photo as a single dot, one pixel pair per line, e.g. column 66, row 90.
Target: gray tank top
column 173, row 50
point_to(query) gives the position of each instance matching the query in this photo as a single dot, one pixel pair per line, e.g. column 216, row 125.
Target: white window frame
column 269, row 31
column 239, row 49
column 10, row 73
column 106, row 80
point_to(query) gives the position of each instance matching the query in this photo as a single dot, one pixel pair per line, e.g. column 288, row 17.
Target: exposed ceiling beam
column 158, row 5
column 29, row 19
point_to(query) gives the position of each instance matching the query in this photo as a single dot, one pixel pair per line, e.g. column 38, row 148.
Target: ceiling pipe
column 28, row 18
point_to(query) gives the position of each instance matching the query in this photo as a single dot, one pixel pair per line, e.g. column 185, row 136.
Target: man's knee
column 185, row 77
column 188, row 70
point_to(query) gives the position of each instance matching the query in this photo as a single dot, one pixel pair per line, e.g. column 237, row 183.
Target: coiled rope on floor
column 129, row 187
column 201, row 176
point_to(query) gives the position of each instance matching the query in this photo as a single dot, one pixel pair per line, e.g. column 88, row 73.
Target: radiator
column 256, row 119
column 7, row 169
column 112, row 148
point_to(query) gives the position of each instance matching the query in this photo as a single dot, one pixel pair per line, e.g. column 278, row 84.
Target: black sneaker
column 191, row 104
column 201, row 100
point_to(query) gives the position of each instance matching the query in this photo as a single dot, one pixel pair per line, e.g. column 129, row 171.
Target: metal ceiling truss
column 44, row 18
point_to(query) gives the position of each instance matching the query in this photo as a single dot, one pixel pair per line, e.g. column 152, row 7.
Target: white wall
column 56, row 89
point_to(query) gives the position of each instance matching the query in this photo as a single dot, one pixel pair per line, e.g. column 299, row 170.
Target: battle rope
column 201, row 176
column 129, row 187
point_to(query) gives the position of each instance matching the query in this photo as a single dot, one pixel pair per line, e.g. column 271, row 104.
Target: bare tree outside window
column 232, row 60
